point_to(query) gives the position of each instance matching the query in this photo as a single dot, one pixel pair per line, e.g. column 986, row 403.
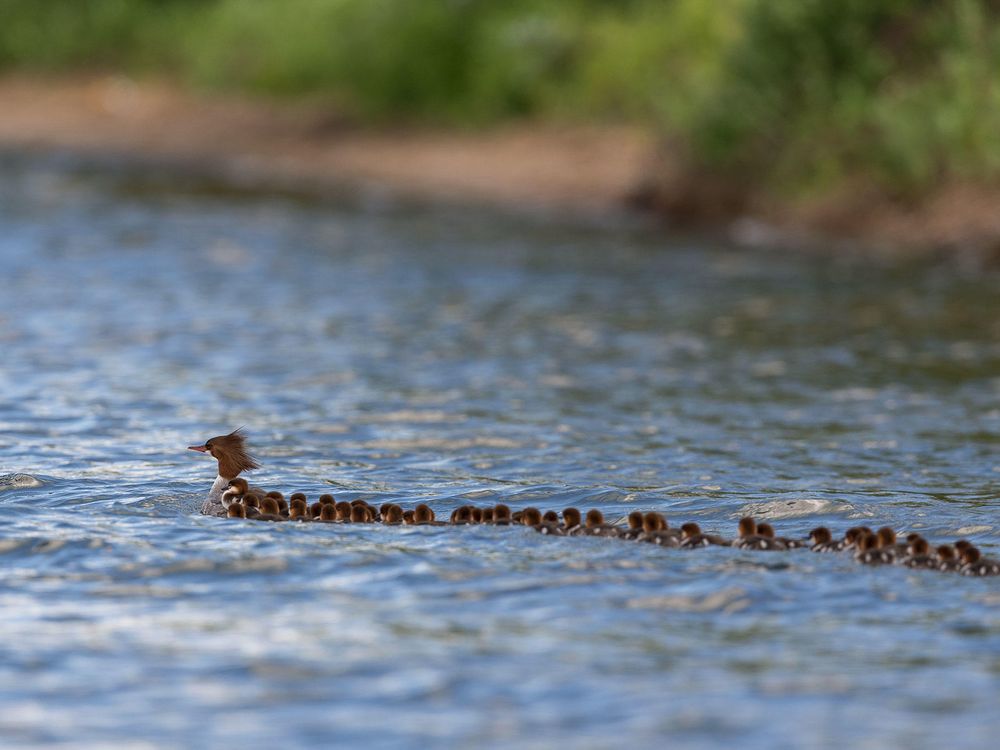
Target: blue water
column 449, row 356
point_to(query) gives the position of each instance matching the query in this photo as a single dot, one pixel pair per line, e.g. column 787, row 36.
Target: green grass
column 788, row 96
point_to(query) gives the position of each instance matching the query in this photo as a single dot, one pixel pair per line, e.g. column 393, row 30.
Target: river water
column 433, row 354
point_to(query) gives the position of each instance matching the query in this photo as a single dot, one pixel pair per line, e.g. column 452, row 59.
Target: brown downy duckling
column 298, row 510
column 868, row 552
column 235, row 491
column 236, row 510
column 885, row 539
column 973, row 564
column 634, row 525
column 423, row 515
column 947, row 560
column 530, row 516
column 533, row 517
column 327, row 499
column 343, row 510
column 297, row 496
column 315, row 508
column 408, row 517
column 771, row 542
column 594, row 525
column 766, row 530
column 919, row 555
column 393, row 515
column 269, row 510
column 572, row 521
column 747, row 536
column 852, row 537
column 476, row 515
column 488, row 515
column 550, row 516
column 462, row 515
column 692, row 536
column 359, row 514
column 822, row 540
column 502, row 515
column 656, row 530
column 327, row 513
column 252, row 500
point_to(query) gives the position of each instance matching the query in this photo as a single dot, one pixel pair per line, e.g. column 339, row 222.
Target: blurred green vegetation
column 785, row 95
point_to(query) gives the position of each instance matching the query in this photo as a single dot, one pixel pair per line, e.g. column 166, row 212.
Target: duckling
column 252, row 500
column 822, row 540
column 852, row 537
column 236, row 510
column 947, row 560
column 634, row 526
column 476, row 515
column 235, row 491
column 747, row 536
column 919, row 555
column 298, row 510
column 532, row 517
column 571, row 521
column 327, row 499
column 343, row 510
column 885, row 539
column 393, row 515
column 767, row 531
column 314, row 509
column 656, row 530
column 973, row 564
column 594, row 525
column 423, row 515
column 501, row 515
column 359, row 514
column 461, row 515
column 868, row 551
column 408, row 517
column 692, row 536
column 550, row 516
column 327, row 513
column 269, row 510
column 488, row 515
column 297, row 496
column 770, row 541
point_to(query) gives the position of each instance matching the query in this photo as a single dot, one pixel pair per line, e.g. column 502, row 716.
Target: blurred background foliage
column 788, row 95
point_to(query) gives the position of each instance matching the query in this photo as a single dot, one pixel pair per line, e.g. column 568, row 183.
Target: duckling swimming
column 656, row 530
column 947, row 560
column 822, row 540
column 594, row 525
column 692, row 536
column 236, row 510
column 572, row 521
column 973, row 564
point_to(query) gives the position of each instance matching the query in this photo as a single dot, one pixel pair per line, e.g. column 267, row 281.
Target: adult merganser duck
column 230, row 451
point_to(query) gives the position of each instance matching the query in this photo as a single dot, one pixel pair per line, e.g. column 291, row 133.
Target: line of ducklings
column 869, row 547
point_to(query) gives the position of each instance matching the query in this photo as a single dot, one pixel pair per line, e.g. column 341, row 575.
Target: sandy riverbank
column 580, row 171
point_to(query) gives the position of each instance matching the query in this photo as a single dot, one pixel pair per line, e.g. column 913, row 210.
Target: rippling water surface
column 459, row 357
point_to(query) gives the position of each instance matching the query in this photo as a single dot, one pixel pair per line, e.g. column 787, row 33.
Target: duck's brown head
column 231, row 453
